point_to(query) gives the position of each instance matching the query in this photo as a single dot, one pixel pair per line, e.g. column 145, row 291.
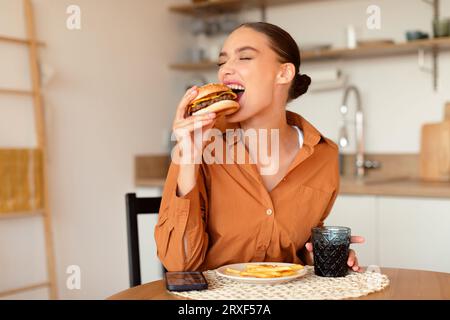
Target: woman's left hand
column 352, row 261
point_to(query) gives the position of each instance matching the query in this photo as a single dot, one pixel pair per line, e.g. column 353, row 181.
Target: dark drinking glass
column 331, row 246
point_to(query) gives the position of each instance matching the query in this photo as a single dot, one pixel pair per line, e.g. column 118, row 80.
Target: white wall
column 111, row 98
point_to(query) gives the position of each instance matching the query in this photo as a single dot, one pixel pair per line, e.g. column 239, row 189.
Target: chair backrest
column 136, row 206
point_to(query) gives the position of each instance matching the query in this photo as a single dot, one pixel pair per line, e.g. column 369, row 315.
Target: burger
column 214, row 97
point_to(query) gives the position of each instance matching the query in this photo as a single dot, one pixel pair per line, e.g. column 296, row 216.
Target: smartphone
column 185, row 281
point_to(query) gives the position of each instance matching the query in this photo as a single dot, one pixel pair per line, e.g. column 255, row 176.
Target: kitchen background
column 110, row 96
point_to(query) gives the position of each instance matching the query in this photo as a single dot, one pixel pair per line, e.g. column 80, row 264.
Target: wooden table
column 404, row 285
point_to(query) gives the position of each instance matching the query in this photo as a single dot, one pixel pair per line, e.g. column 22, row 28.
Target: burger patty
column 207, row 103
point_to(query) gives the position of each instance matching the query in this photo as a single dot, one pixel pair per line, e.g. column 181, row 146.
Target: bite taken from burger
column 214, row 97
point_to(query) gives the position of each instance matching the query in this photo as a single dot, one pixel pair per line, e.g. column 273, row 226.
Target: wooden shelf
column 19, row 41
column 16, row 92
column 378, row 50
column 208, row 7
column 228, row 6
column 214, row 7
column 24, row 289
column 359, row 52
column 21, row 214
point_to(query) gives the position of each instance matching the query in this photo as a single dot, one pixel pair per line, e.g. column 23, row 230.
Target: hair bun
column 300, row 86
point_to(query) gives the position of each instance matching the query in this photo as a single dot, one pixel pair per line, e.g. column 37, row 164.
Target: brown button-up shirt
column 230, row 217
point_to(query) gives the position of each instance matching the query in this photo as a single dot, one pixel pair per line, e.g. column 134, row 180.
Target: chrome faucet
column 360, row 162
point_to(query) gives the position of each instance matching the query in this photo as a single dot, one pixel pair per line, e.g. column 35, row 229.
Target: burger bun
column 210, row 88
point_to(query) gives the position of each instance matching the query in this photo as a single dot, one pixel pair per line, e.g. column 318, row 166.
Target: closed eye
column 222, row 63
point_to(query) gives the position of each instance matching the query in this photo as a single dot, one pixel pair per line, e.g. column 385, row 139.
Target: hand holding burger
column 213, row 97
column 197, row 110
column 200, row 106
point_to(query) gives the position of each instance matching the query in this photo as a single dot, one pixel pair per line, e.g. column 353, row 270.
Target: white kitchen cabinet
column 359, row 214
column 400, row 232
column 414, row 233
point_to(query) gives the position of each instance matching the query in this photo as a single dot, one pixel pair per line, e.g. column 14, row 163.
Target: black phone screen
column 185, row 281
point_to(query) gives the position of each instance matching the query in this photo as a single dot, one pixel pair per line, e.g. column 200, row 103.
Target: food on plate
column 229, row 270
column 214, row 97
column 266, row 270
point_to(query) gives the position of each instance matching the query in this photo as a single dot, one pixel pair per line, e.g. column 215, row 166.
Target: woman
column 222, row 213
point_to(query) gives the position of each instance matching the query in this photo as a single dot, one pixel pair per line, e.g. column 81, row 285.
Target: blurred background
column 86, row 113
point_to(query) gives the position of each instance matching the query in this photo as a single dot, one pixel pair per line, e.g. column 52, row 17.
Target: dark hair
column 287, row 50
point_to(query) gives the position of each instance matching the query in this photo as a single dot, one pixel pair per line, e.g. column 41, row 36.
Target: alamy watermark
column 263, row 147
column 373, row 282
column 73, row 281
column 73, row 22
column 374, row 20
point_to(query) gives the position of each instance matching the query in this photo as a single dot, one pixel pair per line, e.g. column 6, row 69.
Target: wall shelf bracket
column 434, row 50
column 429, row 68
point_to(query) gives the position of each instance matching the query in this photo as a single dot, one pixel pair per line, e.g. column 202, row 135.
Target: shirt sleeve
column 180, row 233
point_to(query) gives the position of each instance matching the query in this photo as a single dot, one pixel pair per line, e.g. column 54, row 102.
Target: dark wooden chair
column 136, row 206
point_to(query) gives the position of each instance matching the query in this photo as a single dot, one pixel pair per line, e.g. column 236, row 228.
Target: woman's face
column 246, row 60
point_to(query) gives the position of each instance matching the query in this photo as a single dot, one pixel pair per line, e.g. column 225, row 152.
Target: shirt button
column 269, row 212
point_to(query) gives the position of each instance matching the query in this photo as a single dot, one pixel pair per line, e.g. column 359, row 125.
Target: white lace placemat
column 310, row 286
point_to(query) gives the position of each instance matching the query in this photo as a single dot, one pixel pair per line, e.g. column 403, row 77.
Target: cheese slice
column 214, row 96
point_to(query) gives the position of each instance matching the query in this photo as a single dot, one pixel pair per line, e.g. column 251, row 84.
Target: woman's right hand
column 185, row 129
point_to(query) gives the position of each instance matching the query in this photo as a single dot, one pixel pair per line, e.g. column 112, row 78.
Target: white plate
column 241, row 267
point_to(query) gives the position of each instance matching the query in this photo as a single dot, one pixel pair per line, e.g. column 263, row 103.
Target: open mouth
column 238, row 89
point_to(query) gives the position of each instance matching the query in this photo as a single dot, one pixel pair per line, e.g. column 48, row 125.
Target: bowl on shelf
column 416, row 35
